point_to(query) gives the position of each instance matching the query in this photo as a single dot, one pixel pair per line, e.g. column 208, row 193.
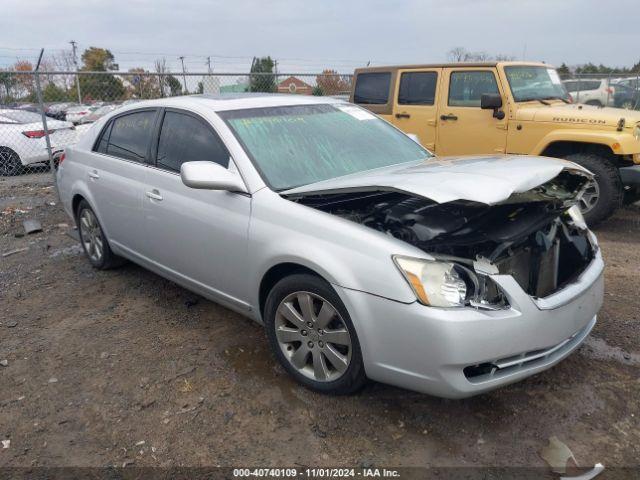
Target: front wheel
column 312, row 336
column 605, row 194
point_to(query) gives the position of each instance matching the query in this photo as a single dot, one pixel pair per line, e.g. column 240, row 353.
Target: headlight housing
column 435, row 283
column 636, row 132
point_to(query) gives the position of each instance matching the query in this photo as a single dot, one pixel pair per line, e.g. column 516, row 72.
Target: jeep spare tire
column 601, row 198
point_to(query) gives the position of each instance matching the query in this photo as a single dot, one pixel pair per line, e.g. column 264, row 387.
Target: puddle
column 597, row 348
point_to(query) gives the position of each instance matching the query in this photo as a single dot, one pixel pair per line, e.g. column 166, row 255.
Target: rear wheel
column 312, row 336
column 9, row 162
column 93, row 240
column 605, row 194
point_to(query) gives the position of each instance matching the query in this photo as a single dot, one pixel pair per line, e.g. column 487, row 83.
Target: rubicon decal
column 592, row 121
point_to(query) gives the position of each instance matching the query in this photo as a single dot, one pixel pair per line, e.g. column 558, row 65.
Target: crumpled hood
column 489, row 179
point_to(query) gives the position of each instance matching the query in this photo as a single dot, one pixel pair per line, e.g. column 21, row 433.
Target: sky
column 307, row 36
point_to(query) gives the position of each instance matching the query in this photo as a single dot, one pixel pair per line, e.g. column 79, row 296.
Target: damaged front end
column 537, row 236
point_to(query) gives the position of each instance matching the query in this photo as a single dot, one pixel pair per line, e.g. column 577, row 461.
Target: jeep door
column 463, row 127
column 197, row 237
column 415, row 107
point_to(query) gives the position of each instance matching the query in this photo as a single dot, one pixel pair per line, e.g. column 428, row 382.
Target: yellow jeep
column 509, row 107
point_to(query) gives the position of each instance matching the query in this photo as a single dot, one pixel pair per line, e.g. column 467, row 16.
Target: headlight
column 576, row 217
column 435, row 283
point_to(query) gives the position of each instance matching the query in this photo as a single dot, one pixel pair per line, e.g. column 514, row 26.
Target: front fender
column 620, row 143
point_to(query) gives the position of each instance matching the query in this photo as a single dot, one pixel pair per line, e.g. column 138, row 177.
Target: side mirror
column 492, row 101
column 211, row 176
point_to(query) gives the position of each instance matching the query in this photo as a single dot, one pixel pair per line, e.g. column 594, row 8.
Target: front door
column 463, row 127
column 415, row 107
column 197, row 236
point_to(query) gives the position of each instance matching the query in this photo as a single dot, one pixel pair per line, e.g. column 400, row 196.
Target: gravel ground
column 125, row 368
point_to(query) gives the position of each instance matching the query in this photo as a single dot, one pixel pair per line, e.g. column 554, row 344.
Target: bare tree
column 461, row 54
column 162, row 70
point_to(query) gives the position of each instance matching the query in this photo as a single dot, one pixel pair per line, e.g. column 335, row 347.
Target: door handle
column 154, row 195
column 94, row 175
column 449, row 116
column 403, row 115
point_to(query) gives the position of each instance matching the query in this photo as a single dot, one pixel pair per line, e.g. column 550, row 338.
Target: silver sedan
column 362, row 254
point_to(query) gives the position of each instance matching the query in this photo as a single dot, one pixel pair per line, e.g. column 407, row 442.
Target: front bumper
column 427, row 349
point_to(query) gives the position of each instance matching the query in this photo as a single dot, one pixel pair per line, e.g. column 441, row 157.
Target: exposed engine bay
column 529, row 236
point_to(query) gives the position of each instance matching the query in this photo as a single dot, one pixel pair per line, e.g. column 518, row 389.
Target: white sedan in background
column 22, row 139
column 77, row 114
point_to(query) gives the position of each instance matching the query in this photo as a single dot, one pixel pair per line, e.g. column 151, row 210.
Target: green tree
column 265, row 80
column 99, row 86
column 8, row 81
column 564, row 69
column 175, row 87
column 53, row 93
column 96, row 59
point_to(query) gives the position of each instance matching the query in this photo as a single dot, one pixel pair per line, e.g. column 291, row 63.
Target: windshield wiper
column 541, row 100
column 557, row 98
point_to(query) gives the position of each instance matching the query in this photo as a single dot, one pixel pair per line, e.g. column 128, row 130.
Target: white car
column 590, row 91
column 22, row 139
column 75, row 115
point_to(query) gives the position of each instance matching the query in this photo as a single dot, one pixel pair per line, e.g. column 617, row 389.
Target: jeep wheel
column 605, row 195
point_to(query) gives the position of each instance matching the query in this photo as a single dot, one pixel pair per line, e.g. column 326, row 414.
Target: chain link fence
column 66, row 104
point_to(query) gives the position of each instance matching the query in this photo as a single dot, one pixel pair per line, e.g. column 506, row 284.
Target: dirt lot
column 125, row 368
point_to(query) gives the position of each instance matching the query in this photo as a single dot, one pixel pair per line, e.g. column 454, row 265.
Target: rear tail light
column 34, row 133
column 61, row 158
column 610, row 90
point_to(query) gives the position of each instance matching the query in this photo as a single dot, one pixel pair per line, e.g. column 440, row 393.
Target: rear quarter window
column 372, row 88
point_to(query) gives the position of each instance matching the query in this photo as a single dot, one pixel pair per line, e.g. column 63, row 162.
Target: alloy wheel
column 91, row 235
column 313, row 336
column 590, row 197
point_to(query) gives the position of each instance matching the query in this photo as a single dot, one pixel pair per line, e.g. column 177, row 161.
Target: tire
column 10, row 163
column 608, row 188
column 322, row 365
column 92, row 235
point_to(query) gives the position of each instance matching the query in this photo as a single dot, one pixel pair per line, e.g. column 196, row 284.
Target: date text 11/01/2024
column 316, row 472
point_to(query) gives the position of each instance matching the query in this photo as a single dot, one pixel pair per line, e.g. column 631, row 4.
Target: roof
column 446, row 65
column 235, row 101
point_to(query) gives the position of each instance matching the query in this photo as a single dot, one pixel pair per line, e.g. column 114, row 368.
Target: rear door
column 415, row 107
column 117, row 177
column 197, row 236
column 463, row 127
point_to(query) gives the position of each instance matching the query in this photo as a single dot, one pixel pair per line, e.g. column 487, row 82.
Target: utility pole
column 75, row 62
column 209, row 65
column 184, row 77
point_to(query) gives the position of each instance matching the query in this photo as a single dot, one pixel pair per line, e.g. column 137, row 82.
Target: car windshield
column 535, row 83
column 297, row 145
column 21, row 116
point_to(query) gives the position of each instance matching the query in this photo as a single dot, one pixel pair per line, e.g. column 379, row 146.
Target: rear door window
column 417, row 88
column 185, row 138
column 467, row 87
column 130, row 135
column 372, row 88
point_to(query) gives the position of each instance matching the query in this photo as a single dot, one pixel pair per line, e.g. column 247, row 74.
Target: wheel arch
column 276, row 273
